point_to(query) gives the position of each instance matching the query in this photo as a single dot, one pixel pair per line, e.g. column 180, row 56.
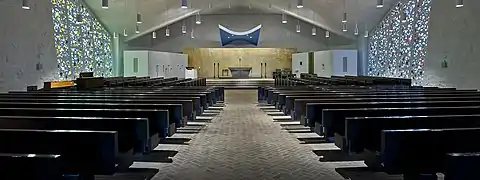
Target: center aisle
column 242, row 142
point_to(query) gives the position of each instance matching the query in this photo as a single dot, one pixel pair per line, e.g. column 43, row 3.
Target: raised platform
column 240, row 83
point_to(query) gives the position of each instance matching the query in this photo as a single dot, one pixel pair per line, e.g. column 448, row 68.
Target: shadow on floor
column 159, row 156
column 364, row 173
column 313, row 140
column 131, row 174
column 299, row 131
column 179, row 141
column 337, row 155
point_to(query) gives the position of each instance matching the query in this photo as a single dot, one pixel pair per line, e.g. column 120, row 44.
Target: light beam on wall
column 459, row 4
column 154, row 35
column 314, row 31
column 104, row 4
column 167, row 32
column 327, row 34
column 184, row 4
column 366, row 34
column 125, row 32
column 25, row 5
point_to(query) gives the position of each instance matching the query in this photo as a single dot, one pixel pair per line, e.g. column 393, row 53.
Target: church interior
column 229, row 89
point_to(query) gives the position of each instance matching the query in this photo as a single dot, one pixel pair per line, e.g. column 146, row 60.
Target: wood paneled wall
column 203, row 59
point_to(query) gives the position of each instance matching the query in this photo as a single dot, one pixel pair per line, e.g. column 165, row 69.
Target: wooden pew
column 30, row 166
column 157, row 119
column 300, row 107
column 175, row 112
column 459, row 166
column 414, row 152
column 133, row 133
column 333, row 120
column 74, row 146
column 187, row 105
column 363, row 133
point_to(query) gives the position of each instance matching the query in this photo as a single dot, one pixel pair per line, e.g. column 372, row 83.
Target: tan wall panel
column 204, row 58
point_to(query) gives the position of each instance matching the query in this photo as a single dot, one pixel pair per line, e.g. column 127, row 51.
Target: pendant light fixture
column 298, row 26
column 184, row 4
column 344, row 27
column 167, row 32
column 139, row 18
column 344, row 18
column 104, row 4
column 125, row 32
column 355, row 31
column 198, row 19
column 184, row 28
column 137, row 29
column 403, row 16
column 284, row 18
column 314, row 31
column 459, row 4
column 299, row 3
column 379, row 3
column 366, row 31
column 327, row 34
column 25, row 5
column 154, row 35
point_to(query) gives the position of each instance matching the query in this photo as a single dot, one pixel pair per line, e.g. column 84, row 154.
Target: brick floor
column 242, row 142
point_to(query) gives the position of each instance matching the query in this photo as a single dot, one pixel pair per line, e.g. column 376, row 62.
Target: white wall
column 323, row 65
column 27, row 54
column 300, row 63
column 338, row 66
column 169, row 64
column 143, row 65
column 453, row 36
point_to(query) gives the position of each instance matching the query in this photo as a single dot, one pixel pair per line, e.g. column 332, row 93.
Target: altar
column 240, row 72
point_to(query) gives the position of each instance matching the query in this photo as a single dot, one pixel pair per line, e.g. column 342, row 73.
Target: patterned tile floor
column 242, row 142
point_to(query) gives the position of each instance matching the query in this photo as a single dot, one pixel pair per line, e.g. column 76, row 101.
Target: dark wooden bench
column 364, row 132
column 157, row 119
column 460, row 166
column 414, row 152
column 84, row 152
column 300, row 109
column 333, row 120
column 30, row 166
column 133, row 133
column 324, row 114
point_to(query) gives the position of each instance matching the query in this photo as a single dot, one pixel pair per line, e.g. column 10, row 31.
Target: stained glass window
column 398, row 48
column 81, row 42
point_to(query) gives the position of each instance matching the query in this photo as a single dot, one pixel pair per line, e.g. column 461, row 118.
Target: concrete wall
column 323, row 62
column 274, row 34
column 300, row 63
column 129, row 69
column 338, row 57
column 27, row 55
column 453, row 37
column 167, row 64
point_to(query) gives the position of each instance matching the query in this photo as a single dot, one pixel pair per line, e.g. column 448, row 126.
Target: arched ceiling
column 156, row 14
